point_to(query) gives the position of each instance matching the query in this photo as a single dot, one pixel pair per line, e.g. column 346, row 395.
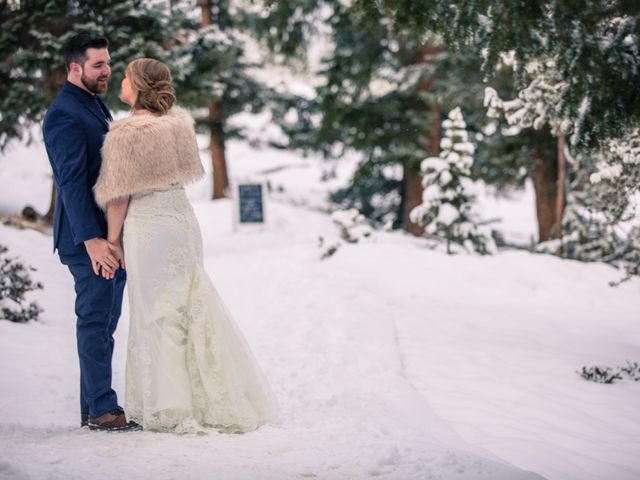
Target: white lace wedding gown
column 188, row 365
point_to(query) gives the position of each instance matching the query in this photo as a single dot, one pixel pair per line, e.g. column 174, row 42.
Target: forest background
column 433, row 96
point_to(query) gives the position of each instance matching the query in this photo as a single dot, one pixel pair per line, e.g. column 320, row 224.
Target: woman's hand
column 118, row 253
column 102, row 259
column 116, row 213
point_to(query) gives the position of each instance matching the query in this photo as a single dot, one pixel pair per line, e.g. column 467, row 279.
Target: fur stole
column 142, row 153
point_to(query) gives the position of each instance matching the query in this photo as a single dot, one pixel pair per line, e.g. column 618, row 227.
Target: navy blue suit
column 74, row 129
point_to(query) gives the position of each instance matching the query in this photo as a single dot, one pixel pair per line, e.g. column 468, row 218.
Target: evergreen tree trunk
column 412, row 179
column 216, row 145
column 411, row 197
column 52, row 85
column 561, row 195
column 206, row 15
column 48, row 217
column 545, row 183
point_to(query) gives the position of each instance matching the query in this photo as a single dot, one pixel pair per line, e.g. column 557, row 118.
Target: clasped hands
column 106, row 256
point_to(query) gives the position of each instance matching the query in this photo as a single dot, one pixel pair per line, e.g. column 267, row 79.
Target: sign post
column 249, row 204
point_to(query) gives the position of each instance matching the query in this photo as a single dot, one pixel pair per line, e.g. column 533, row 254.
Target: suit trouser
column 98, row 306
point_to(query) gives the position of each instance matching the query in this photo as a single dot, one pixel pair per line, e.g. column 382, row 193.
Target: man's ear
column 75, row 68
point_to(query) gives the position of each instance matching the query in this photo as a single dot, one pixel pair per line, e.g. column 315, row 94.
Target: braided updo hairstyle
column 151, row 80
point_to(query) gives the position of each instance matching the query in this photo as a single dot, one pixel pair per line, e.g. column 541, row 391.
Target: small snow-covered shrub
column 602, row 374
column 447, row 202
column 632, row 370
column 352, row 228
column 15, row 282
column 330, row 249
column 352, row 225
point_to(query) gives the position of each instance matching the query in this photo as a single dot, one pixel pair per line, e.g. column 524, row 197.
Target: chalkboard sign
column 251, row 203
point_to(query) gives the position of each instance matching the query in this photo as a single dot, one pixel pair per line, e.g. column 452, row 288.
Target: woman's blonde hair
column 152, row 82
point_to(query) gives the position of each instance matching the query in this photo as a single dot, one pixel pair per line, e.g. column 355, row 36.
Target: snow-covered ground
column 389, row 360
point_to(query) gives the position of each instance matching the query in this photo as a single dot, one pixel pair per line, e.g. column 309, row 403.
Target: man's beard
column 95, row 86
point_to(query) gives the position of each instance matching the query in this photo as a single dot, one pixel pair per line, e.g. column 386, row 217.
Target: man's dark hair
column 75, row 51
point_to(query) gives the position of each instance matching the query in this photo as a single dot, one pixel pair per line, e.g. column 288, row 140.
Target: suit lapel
column 88, row 106
column 105, row 109
column 87, row 102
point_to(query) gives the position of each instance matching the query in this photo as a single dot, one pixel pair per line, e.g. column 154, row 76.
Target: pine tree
column 578, row 64
column 32, row 36
column 392, row 131
column 594, row 46
column 532, row 114
column 447, row 204
column 534, row 108
column 598, row 230
column 618, row 171
column 214, row 74
column 510, row 151
column 382, row 95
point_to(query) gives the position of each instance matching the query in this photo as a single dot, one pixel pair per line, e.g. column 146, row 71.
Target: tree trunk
column 53, row 82
column 560, row 197
column 411, row 198
column 51, row 86
column 545, row 183
column 48, row 217
column 216, row 145
column 206, row 15
column 412, row 180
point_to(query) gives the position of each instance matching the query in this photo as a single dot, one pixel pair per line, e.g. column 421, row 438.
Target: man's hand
column 101, row 256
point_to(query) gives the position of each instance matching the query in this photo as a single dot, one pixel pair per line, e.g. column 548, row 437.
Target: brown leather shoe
column 113, row 421
column 84, row 420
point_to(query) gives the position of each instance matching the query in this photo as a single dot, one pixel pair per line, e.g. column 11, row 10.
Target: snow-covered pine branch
column 621, row 162
column 536, row 105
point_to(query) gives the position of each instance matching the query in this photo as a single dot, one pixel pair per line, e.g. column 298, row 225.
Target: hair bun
column 151, row 95
column 152, row 80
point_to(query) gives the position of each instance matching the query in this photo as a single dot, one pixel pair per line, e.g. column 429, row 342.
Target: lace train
column 188, row 365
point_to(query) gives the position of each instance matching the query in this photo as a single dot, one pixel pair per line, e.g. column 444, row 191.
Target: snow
column 606, row 172
column 445, row 177
column 432, row 192
column 465, row 147
column 513, row 212
column 434, row 163
column 447, row 214
column 388, row 359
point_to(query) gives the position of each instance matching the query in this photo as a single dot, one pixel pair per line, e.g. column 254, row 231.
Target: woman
column 188, row 366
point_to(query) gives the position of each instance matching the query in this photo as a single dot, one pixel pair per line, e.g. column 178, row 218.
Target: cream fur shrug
column 147, row 152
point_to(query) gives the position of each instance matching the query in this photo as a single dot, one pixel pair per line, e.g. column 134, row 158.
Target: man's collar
column 89, row 102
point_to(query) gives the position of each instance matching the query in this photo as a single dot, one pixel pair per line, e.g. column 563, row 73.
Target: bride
column 188, row 366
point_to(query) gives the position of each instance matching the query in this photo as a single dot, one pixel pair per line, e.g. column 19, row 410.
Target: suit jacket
column 74, row 129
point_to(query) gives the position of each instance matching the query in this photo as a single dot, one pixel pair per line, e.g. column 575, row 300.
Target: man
column 74, row 129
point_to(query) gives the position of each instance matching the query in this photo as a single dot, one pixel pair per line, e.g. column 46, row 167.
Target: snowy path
column 494, row 345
